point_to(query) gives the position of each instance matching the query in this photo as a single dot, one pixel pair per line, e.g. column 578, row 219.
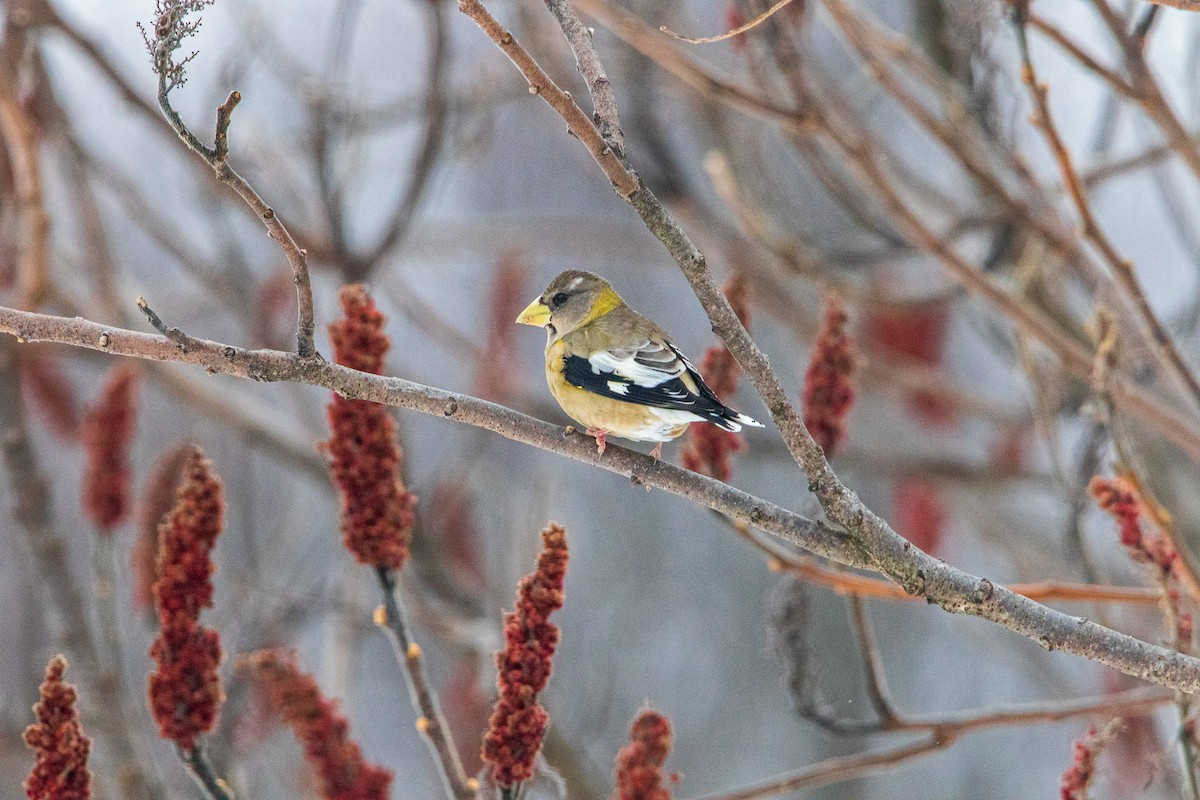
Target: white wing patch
column 648, row 365
column 618, row 388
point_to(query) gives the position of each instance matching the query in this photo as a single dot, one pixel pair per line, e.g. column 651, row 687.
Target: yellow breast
column 618, row 417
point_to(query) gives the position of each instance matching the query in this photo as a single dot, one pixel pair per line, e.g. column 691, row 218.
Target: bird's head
column 572, row 300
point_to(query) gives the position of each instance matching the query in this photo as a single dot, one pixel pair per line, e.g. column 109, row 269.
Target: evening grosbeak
column 614, row 371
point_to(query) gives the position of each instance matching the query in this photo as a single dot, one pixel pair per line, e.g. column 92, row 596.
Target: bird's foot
column 599, row 433
column 657, row 451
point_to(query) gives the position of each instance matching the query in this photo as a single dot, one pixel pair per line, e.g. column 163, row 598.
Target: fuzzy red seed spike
column 1078, row 777
column 157, row 501
column 708, row 447
column 506, row 295
column 324, row 734
column 453, row 519
column 185, row 690
column 640, row 763
column 377, row 511
column 60, row 767
column 1120, row 499
column 828, row 387
column 108, row 428
column 518, row 723
column 358, row 338
column 917, row 332
column 918, row 512
column 50, row 394
column 1117, row 498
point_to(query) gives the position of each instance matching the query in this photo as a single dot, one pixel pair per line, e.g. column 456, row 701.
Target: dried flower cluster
column 708, row 447
column 917, row 333
column 108, row 428
column 1078, row 777
column 322, row 731
column 377, row 511
column 452, row 518
column 60, row 769
column 185, row 690
column 171, row 28
column 50, row 394
column 1119, row 498
column 640, row 763
column 828, row 390
column 918, row 512
column 518, row 723
column 158, row 499
column 506, row 296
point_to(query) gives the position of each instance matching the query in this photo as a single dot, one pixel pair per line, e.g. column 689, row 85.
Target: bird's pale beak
column 536, row 314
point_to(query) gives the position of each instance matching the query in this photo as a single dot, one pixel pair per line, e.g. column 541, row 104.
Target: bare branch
column 952, row 589
column 170, row 30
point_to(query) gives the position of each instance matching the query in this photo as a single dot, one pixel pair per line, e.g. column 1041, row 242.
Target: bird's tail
column 730, row 420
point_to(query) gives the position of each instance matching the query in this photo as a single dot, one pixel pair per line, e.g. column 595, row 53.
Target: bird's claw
column 599, row 433
column 656, row 453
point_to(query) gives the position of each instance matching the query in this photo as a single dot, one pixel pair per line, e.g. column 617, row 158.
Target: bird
column 616, row 372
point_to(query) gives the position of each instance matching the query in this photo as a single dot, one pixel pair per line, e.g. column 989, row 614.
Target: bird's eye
column 558, row 299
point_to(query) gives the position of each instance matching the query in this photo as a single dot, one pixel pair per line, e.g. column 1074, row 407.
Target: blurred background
column 404, row 151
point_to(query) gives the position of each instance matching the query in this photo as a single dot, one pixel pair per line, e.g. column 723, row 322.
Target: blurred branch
column 940, row 583
column 835, row 770
column 853, row 584
column 944, row 733
column 1156, row 333
column 1183, row 5
column 22, row 141
column 433, row 138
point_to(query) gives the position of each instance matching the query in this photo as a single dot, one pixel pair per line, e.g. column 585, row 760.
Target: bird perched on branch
column 616, row 372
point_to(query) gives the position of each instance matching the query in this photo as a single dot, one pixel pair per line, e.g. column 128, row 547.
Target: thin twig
column 952, row 589
column 648, row 41
column 213, row 786
column 835, row 770
column 430, row 721
column 1114, row 81
column 217, row 157
column 852, row 584
column 945, row 731
column 740, row 29
column 877, row 688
